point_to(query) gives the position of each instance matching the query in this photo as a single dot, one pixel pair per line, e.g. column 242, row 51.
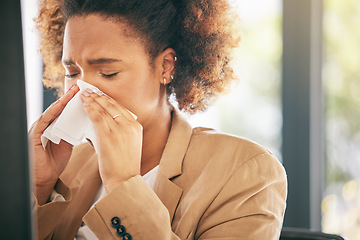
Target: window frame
column 303, row 112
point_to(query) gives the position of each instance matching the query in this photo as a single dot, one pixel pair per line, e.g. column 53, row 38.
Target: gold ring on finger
column 116, row 116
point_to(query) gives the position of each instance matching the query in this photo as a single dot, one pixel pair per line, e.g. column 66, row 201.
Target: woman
column 154, row 177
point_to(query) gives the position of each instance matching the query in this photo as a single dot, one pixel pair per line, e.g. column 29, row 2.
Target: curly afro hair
column 203, row 34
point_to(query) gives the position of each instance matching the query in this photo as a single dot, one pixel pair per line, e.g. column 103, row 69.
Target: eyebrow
column 93, row 61
column 102, row 60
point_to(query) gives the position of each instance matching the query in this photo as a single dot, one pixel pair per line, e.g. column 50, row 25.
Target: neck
column 155, row 135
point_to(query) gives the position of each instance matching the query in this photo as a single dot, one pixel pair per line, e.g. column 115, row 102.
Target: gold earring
column 175, row 58
column 164, row 81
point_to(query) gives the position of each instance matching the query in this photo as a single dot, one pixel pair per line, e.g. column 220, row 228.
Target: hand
column 119, row 139
column 48, row 164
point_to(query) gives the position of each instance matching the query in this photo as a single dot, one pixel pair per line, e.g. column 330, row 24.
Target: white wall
column 33, row 62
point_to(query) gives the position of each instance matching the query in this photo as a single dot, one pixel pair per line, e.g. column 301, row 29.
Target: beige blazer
column 209, row 186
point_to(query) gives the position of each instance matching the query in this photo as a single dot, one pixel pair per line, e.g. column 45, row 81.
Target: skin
column 110, row 56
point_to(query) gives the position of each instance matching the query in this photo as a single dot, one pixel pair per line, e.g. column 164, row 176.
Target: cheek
column 122, row 92
column 135, row 92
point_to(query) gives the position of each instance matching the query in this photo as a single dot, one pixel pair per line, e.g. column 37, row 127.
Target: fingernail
column 85, row 93
column 85, row 104
column 100, row 93
column 72, row 87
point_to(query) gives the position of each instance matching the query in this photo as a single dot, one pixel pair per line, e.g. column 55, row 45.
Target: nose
column 69, row 82
column 88, row 76
column 84, row 74
column 88, row 79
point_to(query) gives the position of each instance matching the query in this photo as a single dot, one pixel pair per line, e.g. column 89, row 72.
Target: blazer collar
column 176, row 146
column 171, row 163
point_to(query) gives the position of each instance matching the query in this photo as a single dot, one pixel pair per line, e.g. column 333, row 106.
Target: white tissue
column 73, row 124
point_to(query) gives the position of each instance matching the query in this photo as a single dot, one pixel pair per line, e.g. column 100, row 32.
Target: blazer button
column 121, row 230
column 126, row 237
column 115, row 222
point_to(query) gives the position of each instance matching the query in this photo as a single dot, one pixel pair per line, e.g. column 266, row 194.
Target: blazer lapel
column 171, row 162
column 168, row 192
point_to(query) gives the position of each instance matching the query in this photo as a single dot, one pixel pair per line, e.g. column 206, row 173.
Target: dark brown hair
column 202, row 32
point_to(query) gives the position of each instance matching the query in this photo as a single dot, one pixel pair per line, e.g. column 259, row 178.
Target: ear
column 167, row 58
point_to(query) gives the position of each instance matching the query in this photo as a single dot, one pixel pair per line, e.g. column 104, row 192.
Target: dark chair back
column 305, row 234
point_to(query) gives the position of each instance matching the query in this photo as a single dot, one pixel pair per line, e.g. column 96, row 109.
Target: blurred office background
column 258, row 107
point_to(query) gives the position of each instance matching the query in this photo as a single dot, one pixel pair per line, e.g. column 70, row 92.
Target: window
column 341, row 77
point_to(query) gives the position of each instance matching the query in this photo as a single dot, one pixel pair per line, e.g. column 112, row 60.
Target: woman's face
column 107, row 55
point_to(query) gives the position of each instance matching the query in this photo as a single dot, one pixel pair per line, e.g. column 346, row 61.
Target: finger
column 124, row 111
column 70, row 94
column 112, row 107
column 53, row 111
column 32, row 127
column 97, row 114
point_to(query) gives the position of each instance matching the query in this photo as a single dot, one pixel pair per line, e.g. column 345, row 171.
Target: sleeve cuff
column 48, row 215
column 138, row 209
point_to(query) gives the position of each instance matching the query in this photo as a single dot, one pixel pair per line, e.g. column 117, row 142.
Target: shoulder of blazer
column 227, row 147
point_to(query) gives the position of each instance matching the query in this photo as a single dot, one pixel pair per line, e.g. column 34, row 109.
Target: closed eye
column 108, row 75
column 71, row 75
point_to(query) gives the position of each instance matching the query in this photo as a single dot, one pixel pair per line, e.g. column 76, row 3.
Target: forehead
column 94, row 33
